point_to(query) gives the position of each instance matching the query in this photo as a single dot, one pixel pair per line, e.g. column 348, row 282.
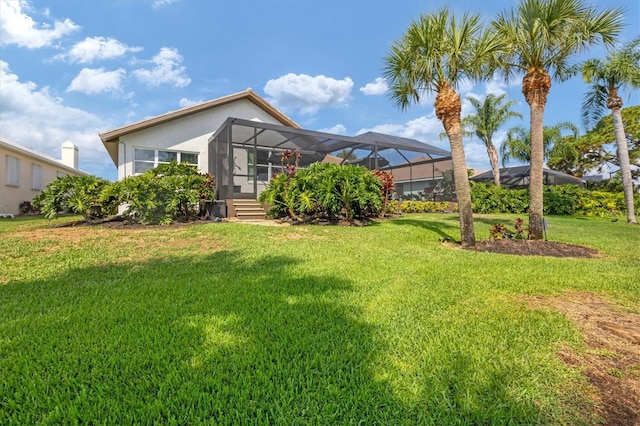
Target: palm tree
column 490, row 115
column 518, row 144
column 542, row 36
column 436, row 54
column 621, row 68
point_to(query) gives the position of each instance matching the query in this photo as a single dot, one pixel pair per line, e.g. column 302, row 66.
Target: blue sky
column 70, row 69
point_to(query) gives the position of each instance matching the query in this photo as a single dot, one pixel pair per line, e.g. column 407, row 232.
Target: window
column 36, row 177
column 13, row 171
column 146, row 159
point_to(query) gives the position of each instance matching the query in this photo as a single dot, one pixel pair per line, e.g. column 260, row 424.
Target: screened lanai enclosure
column 245, row 154
column 518, row 177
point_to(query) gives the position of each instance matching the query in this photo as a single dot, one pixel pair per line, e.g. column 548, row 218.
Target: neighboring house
column 25, row 172
column 240, row 140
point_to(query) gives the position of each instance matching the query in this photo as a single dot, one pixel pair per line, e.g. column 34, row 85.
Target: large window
column 145, row 159
column 36, row 177
column 13, row 171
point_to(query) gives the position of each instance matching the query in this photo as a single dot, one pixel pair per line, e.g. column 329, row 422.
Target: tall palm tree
column 436, row 54
column 518, row 144
column 542, row 36
column 490, row 115
column 607, row 77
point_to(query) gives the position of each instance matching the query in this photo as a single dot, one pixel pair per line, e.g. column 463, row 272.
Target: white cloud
column 307, row 94
column 185, row 102
column 338, row 129
column 35, row 118
column 16, row 27
column 426, row 129
column 167, row 69
column 378, row 87
column 97, row 48
column 159, row 3
column 92, row 81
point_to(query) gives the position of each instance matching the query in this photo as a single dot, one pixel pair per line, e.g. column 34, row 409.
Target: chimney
column 70, row 154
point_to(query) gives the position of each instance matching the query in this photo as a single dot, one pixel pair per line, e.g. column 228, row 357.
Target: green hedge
column 558, row 200
column 410, row 206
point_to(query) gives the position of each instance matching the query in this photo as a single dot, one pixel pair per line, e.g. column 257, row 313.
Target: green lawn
column 242, row 324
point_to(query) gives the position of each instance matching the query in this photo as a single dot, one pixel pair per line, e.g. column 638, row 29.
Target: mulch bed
column 534, row 248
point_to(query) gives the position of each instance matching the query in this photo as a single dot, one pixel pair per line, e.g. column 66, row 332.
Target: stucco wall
column 187, row 134
column 12, row 196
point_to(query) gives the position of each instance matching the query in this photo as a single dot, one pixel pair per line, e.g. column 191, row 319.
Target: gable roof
column 250, row 95
column 38, row 156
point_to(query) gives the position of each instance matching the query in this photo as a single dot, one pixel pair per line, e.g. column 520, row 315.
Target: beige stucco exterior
column 29, row 182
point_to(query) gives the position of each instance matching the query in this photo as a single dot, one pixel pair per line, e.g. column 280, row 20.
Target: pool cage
column 245, row 154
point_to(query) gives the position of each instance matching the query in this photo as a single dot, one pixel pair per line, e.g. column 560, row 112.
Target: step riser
column 248, row 210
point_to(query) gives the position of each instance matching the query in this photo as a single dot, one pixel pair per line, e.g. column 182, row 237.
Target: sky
column 70, row 69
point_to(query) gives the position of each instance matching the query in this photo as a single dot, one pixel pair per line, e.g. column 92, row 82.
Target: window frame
column 156, row 158
column 36, row 177
column 13, row 171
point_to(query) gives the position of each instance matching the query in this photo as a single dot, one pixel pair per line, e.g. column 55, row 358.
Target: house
column 240, row 139
column 25, row 172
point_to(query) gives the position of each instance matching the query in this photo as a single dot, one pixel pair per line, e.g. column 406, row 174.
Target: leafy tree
column 542, row 36
column 555, row 143
column 606, row 77
column 77, row 194
column 437, row 53
column 594, row 148
column 490, row 115
column 347, row 154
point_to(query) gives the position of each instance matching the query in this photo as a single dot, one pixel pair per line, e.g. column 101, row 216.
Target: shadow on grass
column 443, row 230
column 221, row 338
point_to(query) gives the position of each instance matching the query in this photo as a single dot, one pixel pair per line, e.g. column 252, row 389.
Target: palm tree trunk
column 448, row 108
column 625, row 165
column 535, row 87
column 493, row 160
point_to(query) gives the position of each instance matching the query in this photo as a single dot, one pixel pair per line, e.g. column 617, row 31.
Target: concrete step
column 248, row 210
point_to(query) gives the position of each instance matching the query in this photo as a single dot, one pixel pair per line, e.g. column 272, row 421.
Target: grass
column 241, row 324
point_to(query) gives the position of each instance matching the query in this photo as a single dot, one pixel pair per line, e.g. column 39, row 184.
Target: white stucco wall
column 187, row 134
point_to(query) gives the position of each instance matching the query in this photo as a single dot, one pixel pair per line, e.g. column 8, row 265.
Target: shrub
column 324, row 190
column 77, row 194
column 558, row 200
column 410, row 206
column 164, row 194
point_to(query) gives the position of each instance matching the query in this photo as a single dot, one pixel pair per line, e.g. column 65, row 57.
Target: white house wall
column 190, row 133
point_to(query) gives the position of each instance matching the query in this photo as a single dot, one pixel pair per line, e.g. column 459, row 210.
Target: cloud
column 167, row 69
column 16, row 27
column 35, row 118
column 185, row 102
column 426, row 129
column 307, row 94
column 378, row 87
column 160, row 3
column 97, row 48
column 338, row 129
column 92, row 81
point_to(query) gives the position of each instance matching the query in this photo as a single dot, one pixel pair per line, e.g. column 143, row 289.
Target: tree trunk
column 625, row 165
column 493, row 160
column 448, row 109
column 535, row 87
